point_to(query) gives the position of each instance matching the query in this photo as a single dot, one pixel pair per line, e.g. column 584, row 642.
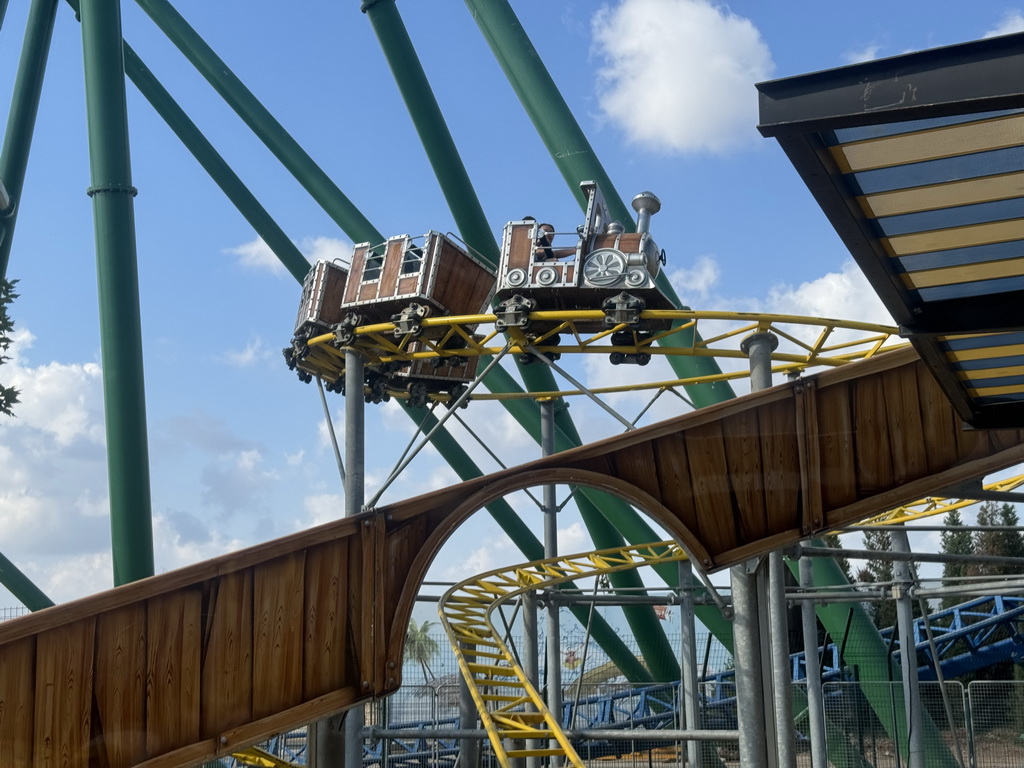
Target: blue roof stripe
column 992, row 362
column 881, row 130
column 984, row 340
column 973, row 166
column 959, row 216
column 997, row 399
column 975, row 254
column 967, row 290
column 997, row 381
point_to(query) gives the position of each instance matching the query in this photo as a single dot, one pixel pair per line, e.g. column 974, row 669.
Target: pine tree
column 8, row 395
column 1002, row 544
column 879, row 572
column 832, row 540
column 955, row 541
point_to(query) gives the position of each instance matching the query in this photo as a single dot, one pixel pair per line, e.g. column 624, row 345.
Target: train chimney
column 646, row 204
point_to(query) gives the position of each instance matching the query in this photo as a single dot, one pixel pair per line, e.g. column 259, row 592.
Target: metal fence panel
column 997, row 723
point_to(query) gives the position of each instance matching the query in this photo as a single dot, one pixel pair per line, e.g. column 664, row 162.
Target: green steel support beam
column 430, row 124
column 19, row 585
column 22, row 118
column 3, row 12
column 116, row 262
column 263, row 124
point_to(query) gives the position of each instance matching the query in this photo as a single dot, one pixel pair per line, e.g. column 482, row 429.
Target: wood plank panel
column 904, row 425
column 781, row 476
column 119, row 725
column 226, row 676
column 938, row 422
column 327, row 663
column 674, row 476
column 637, row 465
column 835, row 446
column 871, row 445
column 743, row 457
column 17, row 699
column 278, row 591
column 63, row 696
column 174, row 629
column 708, row 476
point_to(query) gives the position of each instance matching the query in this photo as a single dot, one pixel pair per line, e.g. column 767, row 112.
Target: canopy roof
column 918, row 162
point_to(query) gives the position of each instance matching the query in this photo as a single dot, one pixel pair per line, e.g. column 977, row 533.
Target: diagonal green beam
column 21, row 586
column 21, row 120
column 263, row 124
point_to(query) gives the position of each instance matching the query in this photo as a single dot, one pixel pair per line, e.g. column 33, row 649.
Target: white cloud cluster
column 679, row 74
column 257, row 255
column 867, row 53
column 1012, row 21
column 844, row 295
column 696, row 282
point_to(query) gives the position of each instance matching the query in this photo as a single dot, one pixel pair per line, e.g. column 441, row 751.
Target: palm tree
column 420, row 646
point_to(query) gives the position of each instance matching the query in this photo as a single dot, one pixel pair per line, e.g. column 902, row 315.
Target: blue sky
column 664, row 91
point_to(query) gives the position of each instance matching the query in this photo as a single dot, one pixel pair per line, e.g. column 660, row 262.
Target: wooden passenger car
column 601, row 263
column 322, row 291
column 431, row 272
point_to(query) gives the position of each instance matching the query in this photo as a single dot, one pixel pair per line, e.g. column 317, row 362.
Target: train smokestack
column 646, row 204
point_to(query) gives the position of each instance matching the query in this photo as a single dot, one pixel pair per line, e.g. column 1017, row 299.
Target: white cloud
column 326, row 248
column 867, row 53
column 254, row 352
column 698, row 280
column 62, row 400
column 256, row 255
column 679, row 74
column 846, row 295
column 1012, row 21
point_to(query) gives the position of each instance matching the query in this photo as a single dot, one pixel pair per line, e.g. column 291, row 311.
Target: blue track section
column 967, row 637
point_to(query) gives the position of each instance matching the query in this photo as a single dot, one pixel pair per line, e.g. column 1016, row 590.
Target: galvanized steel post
column 815, row 694
column 690, row 701
column 902, row 582
column 554, row 632
column 355, row 480
column 116, row 263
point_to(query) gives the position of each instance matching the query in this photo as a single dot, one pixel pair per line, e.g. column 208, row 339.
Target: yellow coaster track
column 511, row 709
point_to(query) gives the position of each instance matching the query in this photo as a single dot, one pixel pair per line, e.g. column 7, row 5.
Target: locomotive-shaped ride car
column 602, row 267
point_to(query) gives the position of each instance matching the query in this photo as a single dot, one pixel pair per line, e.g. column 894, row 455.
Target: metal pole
column 469, row 753
column 531, row 660
column 355, row 479
column 116, row 264
column 902, row 582
column 554, row 632
column 22, row 587
column 751, row 649
column 22, row 118
column 782, row 673
column 750, row 711
column 688, row 662
column 815, row 694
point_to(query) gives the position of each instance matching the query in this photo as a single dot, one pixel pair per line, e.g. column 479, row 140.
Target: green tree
column 8, row 395
column 955, row 541
column 832, row 540
column 421, row 647
column 879, row 572
column 1002, row 544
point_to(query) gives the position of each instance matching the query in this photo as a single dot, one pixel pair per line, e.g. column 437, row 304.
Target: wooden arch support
column 182, row 667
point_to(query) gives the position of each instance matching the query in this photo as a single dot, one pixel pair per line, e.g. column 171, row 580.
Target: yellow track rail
column 511, row 709
column 805, row 342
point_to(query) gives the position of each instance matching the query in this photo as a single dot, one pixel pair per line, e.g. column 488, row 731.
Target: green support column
column 22, row 118
column 116, row 263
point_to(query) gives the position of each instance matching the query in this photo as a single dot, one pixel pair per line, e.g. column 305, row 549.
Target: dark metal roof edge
column 965, row 77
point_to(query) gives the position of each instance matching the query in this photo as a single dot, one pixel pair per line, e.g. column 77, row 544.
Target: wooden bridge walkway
column 188, row 665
